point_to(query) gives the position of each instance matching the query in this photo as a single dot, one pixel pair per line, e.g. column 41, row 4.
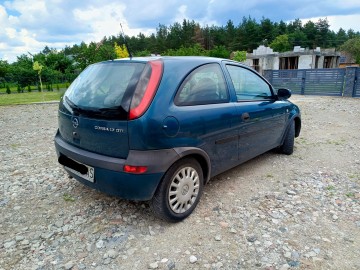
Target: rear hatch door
column 93, row 114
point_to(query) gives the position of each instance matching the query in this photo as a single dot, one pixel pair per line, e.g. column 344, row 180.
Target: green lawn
column 13, row 88
column 27, row 98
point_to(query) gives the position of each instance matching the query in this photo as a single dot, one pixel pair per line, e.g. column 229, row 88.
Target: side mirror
column 283, row 93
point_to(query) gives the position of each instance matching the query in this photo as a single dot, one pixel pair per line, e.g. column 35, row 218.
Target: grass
column 27, row 98
column 350, row 195
column 68, row 198
column 13, row 88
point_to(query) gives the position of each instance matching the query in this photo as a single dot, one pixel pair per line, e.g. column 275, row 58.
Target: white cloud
column 181, row 14
column 345, row 22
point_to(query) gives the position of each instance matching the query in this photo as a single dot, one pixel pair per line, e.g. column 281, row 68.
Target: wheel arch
column 297, row 126
column 200, row 156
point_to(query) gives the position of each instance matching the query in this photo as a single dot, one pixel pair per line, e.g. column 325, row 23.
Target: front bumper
column 109, row 175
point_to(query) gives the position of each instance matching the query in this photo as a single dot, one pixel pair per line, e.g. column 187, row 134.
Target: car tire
column 287, row 147
column 179, row 191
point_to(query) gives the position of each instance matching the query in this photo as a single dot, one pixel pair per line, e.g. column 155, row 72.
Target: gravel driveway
column 273, row 212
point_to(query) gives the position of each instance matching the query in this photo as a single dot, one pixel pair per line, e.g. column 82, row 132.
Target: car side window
column 204, row 85
column 248, row 85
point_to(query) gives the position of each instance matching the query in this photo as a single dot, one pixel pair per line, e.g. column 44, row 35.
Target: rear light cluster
column 146, row 89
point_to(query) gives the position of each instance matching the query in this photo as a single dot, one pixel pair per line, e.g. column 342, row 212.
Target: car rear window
column 107, row 86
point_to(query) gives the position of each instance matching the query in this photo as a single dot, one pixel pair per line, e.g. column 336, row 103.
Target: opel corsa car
column 159, row 128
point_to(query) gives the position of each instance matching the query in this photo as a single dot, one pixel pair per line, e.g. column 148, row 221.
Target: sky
column 27, row 26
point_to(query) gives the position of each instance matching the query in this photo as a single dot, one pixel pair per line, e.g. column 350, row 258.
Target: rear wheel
column 287, row 147
column 179, row 191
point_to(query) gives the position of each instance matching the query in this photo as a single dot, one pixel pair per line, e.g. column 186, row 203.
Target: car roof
column 179, row 59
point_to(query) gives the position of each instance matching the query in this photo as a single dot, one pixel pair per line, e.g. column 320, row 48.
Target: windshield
column 104, row 88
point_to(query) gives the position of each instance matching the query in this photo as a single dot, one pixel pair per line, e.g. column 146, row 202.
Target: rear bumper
column 109, row 175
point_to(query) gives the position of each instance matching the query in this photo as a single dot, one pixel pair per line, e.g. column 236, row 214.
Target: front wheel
column 179, row 191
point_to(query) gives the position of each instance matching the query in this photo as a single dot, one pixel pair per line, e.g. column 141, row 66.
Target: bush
column 18, row 88
column 8, row 91
column 57, row 87
column 29, row 88
column 39, row 87
column 219, row 51
column 240, row 56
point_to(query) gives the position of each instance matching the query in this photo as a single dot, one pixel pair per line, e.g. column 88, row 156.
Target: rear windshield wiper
column 73, row 105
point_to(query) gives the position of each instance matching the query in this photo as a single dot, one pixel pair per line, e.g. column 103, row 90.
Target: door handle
column 245, row 116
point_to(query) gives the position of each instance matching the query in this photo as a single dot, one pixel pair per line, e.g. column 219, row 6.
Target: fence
column 326, row 82
column 356, row 92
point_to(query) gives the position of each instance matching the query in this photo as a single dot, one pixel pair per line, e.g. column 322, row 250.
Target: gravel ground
column 273, row 212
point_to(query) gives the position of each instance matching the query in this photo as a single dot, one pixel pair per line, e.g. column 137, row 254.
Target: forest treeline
column 186, row 38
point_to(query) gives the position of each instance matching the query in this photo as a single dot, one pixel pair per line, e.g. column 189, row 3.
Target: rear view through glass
column 104, row 90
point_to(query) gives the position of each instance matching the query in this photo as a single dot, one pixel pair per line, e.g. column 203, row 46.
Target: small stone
column 284, row 267
column 251, row 238
column 47, row 236
column 275, row 215
column 193, row 259
column 267, row 244
column 294, row 263
column 107, row 261
column 90, row 247
column 283, row 229
column 218, row 237
column 347, row 239
column 25, row 242
column 59, row 223
column 275, row 221
column 19, row 238
column 338, row 202
column 4, row 202
column 326, row 240
column 112, row 253
column 224, row 224
column 9, row 244
column 171, row 265
column 287, row 255
column 232, row 230
column 311, row 254
column 100, row 244
column 164, row 260
column 335, row 217
column 153, row 265
column 291, row 192
column 295, row 255
column 69, row 265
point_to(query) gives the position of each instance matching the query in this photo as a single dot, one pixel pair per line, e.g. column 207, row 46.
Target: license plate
column 89, row 176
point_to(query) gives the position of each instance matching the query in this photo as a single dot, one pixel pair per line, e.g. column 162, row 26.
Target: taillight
column 135, row 169
column 146, row 88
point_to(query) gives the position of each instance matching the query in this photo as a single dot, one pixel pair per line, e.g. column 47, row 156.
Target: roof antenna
column 126, row 45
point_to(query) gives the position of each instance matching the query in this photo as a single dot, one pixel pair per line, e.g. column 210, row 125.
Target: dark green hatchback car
column 159, row 128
